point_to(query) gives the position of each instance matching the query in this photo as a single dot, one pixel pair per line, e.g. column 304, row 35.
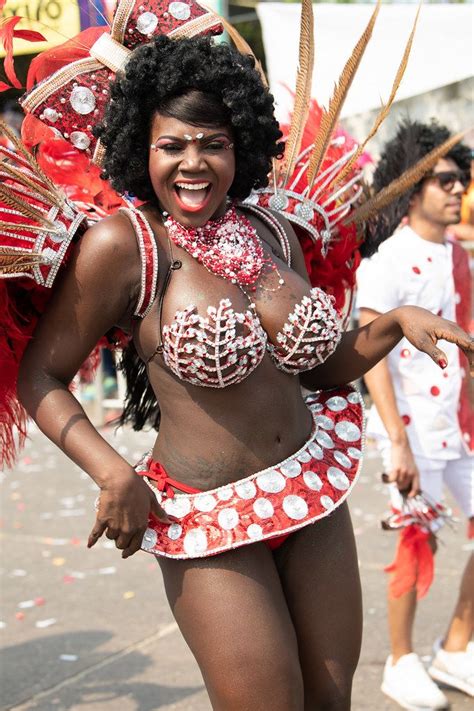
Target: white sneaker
column 454, row 669
column 408, row 683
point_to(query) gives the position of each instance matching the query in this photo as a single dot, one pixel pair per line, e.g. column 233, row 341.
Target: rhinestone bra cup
column 208, row 351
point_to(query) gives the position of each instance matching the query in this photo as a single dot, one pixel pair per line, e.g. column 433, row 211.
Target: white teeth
column 192, row 186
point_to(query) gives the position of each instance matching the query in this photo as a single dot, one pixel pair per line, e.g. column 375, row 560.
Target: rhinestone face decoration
column 82, row 100
column 80, row 140
column 179, row 10
column 147, row 23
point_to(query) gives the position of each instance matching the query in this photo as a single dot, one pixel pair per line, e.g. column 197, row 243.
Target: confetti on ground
column 108, row 544
column 2, row 625
column 69, row 513
column 17, row 525
column 46, row 516
column 26, row 604
column 39, row 601
column 76, row 541
column 68, row 657
column 15, row 496
column 45, row 623
column 18, row 573
column 58, row 561
column 128, row 595
column 19, row 615
column 68, row 579
column 108, row 571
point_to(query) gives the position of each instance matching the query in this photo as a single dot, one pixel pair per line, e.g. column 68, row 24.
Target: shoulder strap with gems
column 149, row 260
column 275, row 226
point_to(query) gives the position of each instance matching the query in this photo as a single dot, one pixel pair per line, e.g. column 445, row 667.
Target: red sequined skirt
column 307, row 486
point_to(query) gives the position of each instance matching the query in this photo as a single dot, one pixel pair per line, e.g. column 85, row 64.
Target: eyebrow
column 204, row 138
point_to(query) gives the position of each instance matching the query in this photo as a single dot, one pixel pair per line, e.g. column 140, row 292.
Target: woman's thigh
column 232, row 613
column 320, row 578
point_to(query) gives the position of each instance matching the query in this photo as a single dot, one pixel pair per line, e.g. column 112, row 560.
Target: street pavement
column 85, row 630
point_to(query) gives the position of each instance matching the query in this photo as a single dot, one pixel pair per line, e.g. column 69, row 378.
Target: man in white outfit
column 422, row 416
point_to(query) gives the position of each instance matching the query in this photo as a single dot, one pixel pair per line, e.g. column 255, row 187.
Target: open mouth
column 192, row 196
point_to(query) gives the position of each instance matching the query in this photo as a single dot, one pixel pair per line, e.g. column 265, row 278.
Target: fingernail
column 442, row 363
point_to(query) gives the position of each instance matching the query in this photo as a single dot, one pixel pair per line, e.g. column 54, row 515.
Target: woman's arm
column 361, row 349
column 96, row 291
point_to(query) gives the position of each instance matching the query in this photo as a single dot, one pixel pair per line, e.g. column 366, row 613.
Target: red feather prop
column 7, row 34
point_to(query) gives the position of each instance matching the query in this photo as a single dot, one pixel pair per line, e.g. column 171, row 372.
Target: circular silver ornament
column 82, row 100
column 325, row 422
column 304, row 456
column 246, row 490
column 80, row 140
column 312, row 481
column 271, row 482
column 51, row 115
column 291, row 469
column 325, row 440
column 341, row 459
column 254, row 531
column 174, row 531
column 295, row 507
column 205, row 502
column 61, row 234
column 354, row 453
column 327, row 502
column 149, row 539
column 337, row 403
column 225, row 494
column 178, row 506
column 305, row 211
column 278, row 201
column 263, row 508
column 315, row 450
column 338, row 479
column 228, row 519
column 347, row 431
column 179, row 10
column 353, row 398
column 49, row 255
column 195, row 542
column 147, row 22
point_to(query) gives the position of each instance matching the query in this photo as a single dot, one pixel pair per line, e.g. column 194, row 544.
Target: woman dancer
column 212, row 293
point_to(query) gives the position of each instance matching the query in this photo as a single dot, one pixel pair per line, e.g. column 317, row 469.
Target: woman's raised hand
column 124, row 506
column 423, row 329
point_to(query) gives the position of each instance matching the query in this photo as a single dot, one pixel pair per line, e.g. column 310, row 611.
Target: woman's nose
column 193, row 158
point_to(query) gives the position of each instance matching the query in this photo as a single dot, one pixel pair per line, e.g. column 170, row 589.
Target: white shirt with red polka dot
column 408, row 269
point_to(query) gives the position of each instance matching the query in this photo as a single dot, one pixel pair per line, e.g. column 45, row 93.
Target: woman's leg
column 233, row 615
column 320, row 578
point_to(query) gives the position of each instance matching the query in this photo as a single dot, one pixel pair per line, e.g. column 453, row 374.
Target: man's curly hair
column 228, row 89
column 410, row 144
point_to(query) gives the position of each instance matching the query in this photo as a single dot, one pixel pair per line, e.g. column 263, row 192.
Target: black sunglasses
column 447, row 179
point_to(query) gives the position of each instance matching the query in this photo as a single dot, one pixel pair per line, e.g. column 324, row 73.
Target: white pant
column 456, row 474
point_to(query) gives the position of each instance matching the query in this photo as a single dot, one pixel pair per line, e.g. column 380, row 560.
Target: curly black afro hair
column 156, row 77
column 412, row 142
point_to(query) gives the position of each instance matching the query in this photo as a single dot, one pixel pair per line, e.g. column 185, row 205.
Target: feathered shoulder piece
column 37, row 227
column 318, row 184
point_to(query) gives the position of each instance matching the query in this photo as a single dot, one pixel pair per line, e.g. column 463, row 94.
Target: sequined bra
column 226, row 346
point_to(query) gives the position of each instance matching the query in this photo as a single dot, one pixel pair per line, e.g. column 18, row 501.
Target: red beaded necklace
column 228, row 247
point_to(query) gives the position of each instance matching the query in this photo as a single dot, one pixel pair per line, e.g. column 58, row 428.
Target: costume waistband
column 306, row 486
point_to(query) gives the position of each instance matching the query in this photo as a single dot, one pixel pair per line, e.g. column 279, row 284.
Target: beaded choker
column 228, row 247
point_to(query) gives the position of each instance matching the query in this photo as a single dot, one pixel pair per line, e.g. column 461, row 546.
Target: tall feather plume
column 12, row 261
column 25, row 179
column 302, row 92
column 13, row 138
column 9, row 198
column 401, row 185
column 330, row 117
column 385, row 110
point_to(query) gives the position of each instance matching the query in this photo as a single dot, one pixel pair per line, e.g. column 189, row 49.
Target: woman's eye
column 215, row 146
column 170, row 147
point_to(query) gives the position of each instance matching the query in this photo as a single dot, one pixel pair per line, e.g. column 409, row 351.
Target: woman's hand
column 423, row 329
column 125, row 504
